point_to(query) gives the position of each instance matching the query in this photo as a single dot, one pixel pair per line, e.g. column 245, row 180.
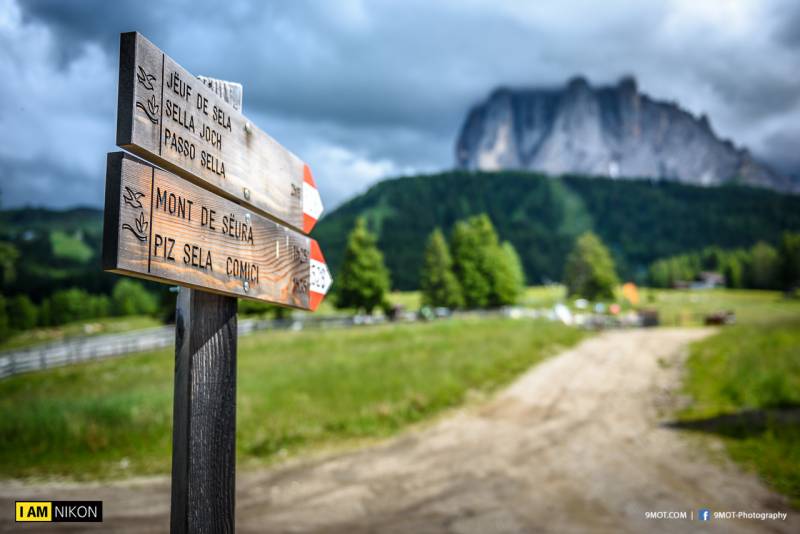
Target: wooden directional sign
column 171, row 118
column 161, row 227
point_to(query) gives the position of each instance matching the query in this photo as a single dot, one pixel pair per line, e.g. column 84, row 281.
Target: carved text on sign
column 161, row 227
column 172, row 119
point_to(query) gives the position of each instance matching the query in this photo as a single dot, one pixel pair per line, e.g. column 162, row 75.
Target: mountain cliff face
column 611, row 131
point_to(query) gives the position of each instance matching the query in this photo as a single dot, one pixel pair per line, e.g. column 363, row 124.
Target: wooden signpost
column 224, row 217
column 171, row 118
column 166, row 229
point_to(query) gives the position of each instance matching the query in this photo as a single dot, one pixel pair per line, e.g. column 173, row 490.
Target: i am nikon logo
column 59, row 511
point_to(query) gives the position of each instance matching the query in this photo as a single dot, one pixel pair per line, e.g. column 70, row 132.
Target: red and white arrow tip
column 312, row 202
column 320, row 279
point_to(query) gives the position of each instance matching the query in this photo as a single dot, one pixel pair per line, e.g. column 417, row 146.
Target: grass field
column 297, row 390
column 689, row 308
column 745, row 386
column 105, row 325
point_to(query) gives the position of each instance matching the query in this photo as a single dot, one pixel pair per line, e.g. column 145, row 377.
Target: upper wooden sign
column 171, row 118
column 163, row 228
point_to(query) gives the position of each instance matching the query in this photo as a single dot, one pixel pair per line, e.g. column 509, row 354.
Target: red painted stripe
column 308, row 223
column 314, row 300
column 308, row 177
column 316, row 253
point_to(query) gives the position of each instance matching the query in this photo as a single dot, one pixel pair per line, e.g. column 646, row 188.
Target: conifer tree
column 364, row 280
column 472, row 243
column 508, row 277
column 438, row 283
column 590, row 271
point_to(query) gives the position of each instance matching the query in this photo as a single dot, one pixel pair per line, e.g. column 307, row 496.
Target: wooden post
column 204, row 406
column 257, row 190
column 204, row 415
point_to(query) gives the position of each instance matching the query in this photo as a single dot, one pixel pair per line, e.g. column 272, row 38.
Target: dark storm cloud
column 77, row 23
column 364, row 90
column 781, row 150
column 788, row 30
column 44, row 181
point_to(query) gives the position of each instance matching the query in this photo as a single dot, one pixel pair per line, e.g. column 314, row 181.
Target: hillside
column 58, row 249
column 639, row 220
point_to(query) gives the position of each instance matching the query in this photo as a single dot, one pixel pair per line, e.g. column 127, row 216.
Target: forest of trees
column 761, row 266
column 475, row 271
column 655, row 232
column 639, row 221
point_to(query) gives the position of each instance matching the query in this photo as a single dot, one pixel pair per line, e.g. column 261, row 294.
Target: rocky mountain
column 613, row 131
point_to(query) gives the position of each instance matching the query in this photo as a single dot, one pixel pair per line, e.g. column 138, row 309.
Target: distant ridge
column 613, row 131
column 640, row 220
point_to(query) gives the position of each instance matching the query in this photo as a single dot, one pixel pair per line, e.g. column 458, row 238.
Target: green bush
column 4, row 327
column 762, row 267
column 790, row 261
column 131, row 298
column 68, row 305
column 22, row 313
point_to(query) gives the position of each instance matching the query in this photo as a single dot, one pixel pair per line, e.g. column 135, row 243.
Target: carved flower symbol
column 152, row 106
column 141, row 224
column 151, row 110
column 141, row 227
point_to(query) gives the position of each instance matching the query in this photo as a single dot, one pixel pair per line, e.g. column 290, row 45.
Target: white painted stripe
column 312, row 202
column 319, row 277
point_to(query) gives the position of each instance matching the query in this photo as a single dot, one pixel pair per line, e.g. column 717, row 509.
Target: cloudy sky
column 364, row 90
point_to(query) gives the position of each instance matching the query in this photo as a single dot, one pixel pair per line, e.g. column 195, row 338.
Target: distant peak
column 577, row 82
column 604, row 130
column 627, row 83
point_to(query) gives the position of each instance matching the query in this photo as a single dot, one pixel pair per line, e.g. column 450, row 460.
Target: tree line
column 474, row 270
column 19, row 313
column 640, row 221
column 761, row 266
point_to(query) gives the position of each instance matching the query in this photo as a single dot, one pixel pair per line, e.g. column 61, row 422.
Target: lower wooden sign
column 161, row 227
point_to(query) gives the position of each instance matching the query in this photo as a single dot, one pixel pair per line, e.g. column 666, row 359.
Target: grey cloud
column 392, row 81
column 781, row 150
column 44, row 181
column 788, row 29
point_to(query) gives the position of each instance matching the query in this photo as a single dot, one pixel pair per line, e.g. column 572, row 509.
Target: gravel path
column 576, row 444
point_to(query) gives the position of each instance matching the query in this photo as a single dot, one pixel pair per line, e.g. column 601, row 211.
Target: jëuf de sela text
column 189, row 111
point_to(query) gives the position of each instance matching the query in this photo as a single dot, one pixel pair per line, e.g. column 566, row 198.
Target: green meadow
column 744, row 382
column 304, row 391
column 296, row 391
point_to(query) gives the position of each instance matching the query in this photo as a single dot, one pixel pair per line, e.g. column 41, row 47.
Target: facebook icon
column 704, row 514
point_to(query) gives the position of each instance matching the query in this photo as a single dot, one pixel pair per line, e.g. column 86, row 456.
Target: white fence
column 99, row 347
column 104, row 346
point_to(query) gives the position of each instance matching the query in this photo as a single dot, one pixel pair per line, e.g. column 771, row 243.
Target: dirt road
column 576, row 444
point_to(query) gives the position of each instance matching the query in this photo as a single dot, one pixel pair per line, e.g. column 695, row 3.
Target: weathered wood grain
column 176, row 121
column 204, row 406
column 204, row 414
column 160, row 227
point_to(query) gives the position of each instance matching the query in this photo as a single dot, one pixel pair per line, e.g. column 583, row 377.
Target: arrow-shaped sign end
column 320, row 278
column 312, row 202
